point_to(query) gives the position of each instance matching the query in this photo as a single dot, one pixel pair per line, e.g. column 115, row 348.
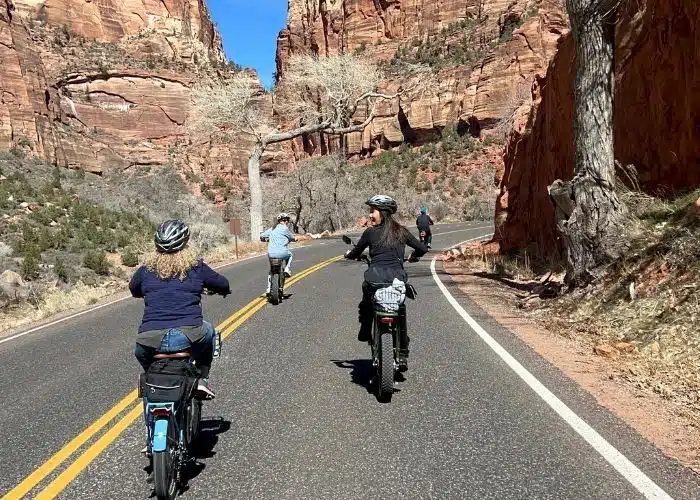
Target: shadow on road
column 362, row 372
column 209, row 430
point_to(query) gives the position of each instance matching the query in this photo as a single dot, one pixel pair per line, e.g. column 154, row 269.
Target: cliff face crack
column 112, row 94
column 169, row 117
column 87, row 78
column 166, row 8
column 527, row 41
column 380, row 13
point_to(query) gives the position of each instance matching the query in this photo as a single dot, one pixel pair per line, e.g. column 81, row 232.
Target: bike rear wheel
column 194, row 417
column 275, row 294
column 164, row 469
column 385, row 367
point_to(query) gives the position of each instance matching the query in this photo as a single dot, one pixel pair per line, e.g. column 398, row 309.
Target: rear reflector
column 160, row 412
column 387, row 321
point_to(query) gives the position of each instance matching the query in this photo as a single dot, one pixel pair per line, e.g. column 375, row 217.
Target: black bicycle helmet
column 383, row 202
column 172, row 236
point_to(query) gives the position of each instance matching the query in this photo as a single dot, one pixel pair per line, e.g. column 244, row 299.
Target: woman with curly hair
column 171, row 282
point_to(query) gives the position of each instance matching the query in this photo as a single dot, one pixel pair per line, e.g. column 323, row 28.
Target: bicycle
column 387, row 328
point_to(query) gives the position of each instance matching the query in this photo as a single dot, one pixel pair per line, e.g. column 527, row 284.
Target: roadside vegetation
column 643, row 314
column 328, row 193
column 68, row 237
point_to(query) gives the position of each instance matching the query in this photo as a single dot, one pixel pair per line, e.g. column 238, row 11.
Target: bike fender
column 160, row 435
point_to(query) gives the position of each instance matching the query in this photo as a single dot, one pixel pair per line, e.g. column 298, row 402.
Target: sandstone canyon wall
column 656, row 120
column 477, row 96
column 105, row 85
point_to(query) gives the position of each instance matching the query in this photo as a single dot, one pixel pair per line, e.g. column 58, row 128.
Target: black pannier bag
column 168, row 380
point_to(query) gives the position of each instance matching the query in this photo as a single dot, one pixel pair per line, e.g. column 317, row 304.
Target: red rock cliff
column 656, row 119
column 482, row 94
column 106, row 85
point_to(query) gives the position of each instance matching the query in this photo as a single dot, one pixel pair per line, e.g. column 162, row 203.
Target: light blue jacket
column 279, row 238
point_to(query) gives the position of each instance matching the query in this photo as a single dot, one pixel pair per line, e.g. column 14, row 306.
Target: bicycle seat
column 173, row 355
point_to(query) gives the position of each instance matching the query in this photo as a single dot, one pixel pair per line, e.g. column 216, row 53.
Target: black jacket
column 386, row 262
column 423, row 222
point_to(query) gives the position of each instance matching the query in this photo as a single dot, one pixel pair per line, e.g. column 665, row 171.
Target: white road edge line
column 93, row 309
column 627, row 469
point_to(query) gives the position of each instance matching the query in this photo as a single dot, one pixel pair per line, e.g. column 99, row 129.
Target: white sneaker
column 287, row 272
column 203, row 387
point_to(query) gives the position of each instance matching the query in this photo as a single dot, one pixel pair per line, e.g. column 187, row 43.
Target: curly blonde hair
column 170, row 265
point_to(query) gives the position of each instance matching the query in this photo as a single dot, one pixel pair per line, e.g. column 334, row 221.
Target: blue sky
column 249, row 29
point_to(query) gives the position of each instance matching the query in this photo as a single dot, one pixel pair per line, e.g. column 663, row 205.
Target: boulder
column 12, row 284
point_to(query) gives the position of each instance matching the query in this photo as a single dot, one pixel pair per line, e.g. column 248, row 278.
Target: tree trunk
column 254, row 184
column 593, row 225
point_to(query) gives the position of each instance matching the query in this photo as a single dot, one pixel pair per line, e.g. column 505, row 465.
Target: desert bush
column 207, row 235
column 97, row 261
column 130, row 258
column 30, row 263
column 61, row 270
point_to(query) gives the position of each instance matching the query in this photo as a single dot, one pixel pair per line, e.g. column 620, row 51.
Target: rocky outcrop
column 655, row 122
column 511, row 40
column 105, row 86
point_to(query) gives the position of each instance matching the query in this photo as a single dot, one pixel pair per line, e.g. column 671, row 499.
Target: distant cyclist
column 387, row 240
column 423, row 222
column 172, row 282
column 279, row 239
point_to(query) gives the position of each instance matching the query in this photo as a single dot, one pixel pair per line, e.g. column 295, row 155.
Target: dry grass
column 517, row 266
column 649, row 299
column 55, row 302
column 227, row 252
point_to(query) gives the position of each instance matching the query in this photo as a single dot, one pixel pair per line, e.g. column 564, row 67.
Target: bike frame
column 386, row 322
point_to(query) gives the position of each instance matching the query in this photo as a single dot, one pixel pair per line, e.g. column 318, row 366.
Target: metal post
column 236, row 238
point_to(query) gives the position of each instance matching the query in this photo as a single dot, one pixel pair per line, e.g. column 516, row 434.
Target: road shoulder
column 667, row 426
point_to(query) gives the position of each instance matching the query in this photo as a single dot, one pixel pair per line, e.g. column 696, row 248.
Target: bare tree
column 334, row 95
column 589, row 214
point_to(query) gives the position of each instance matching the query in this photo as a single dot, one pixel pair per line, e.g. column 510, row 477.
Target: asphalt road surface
column 294, row 417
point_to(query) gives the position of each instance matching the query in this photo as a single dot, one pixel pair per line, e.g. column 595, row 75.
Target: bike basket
column 168, row 381
column 158, row 388
column 388, row 299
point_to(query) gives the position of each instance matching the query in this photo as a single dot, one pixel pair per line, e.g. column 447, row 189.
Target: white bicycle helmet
column 383, row 202
column 284, row 216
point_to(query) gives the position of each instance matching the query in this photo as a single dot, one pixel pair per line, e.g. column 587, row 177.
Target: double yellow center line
column 227, row 327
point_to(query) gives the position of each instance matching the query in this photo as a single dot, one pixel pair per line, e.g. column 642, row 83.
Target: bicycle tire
column 275, row 288
column 385, row 377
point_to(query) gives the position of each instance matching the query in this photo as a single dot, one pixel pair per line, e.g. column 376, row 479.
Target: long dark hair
column 393, row 233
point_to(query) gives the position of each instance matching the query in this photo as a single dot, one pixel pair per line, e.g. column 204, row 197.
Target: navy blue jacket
column 172, row 303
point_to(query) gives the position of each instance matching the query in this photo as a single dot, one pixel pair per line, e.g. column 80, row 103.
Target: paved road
column 294, row 418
